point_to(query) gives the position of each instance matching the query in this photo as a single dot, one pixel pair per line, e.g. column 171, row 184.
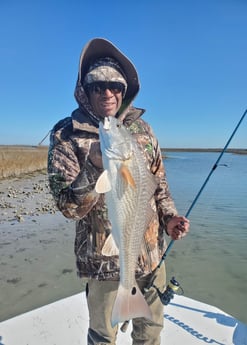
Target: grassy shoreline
column 19, row 160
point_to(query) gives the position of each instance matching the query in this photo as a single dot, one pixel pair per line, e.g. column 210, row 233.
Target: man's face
column 106, row 98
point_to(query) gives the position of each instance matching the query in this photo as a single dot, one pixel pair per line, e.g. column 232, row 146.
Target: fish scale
column 128, row 186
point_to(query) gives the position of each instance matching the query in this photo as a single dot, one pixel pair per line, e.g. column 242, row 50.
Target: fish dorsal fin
column 127, row 176
column 103, row 184
column 110, row 248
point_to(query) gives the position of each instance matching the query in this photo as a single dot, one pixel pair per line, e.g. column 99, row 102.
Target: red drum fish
column 128, row 186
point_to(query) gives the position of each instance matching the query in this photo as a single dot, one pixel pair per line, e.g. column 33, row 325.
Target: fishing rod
column 204, row 184
column 173, row 286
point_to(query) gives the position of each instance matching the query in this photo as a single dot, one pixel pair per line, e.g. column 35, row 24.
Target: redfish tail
column 129, row 304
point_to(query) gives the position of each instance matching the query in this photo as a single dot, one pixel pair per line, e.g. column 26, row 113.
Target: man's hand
column 178, row 227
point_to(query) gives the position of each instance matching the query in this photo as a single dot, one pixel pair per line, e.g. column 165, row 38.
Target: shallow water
column 37, row 264
column 211, row 262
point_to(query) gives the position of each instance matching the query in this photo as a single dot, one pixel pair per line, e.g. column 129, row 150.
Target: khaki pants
column 101, row 296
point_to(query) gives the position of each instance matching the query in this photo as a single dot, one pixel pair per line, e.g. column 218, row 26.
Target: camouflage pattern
column 72, row 178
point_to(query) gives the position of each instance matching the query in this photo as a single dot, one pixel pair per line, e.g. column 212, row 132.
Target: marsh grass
column 20, row 160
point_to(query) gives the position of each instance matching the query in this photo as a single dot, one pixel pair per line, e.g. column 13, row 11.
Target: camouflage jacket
column 71, row 140
column 69, row 164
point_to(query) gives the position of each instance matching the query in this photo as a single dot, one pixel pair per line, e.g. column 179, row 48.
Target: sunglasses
column 101, row 86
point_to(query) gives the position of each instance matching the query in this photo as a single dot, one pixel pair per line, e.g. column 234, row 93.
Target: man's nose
column 107, row 93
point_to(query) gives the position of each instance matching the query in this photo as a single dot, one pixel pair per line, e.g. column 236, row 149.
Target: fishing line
column 204, row 185
column 44, row 138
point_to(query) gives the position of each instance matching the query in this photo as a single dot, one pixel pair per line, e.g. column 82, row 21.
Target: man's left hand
column 178, row 227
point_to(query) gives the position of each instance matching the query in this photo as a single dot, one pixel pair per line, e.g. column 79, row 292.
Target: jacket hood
column 93, row 50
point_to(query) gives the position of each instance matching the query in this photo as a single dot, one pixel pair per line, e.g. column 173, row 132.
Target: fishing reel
column 172, row 288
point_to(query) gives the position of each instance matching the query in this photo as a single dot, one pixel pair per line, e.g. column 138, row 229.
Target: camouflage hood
column 94, row 50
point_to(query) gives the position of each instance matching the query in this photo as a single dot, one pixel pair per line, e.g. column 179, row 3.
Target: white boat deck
column 66, row 321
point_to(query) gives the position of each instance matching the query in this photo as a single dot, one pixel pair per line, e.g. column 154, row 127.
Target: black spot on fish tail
column 133, row 291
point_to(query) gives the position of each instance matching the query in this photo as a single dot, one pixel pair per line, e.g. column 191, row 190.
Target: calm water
column 211, row 262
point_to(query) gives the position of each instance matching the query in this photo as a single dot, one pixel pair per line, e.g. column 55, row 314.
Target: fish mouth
column 106, row 124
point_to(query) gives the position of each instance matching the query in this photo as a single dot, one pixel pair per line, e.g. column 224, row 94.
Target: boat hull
column 66, row 322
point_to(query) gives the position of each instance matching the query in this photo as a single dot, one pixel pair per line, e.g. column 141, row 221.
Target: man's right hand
column 95, row 155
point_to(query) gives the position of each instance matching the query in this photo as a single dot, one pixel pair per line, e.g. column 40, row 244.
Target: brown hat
column 102, row 48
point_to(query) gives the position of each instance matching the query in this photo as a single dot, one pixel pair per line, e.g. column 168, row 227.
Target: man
column 107, row 85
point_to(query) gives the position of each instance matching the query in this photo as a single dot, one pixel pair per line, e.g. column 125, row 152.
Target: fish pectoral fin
column 110, row 248
column 127, row 176
column 129, row 304
column 103, row 184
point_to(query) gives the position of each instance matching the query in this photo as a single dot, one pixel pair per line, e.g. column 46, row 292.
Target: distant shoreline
column 230, row 150
column 167, row 149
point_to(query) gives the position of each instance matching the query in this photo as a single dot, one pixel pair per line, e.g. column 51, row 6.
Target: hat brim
column 99, row 47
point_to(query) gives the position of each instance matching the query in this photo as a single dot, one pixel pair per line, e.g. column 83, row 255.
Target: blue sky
column 191, row 57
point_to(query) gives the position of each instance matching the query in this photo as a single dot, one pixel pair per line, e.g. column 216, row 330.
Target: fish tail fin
column 129, row 304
